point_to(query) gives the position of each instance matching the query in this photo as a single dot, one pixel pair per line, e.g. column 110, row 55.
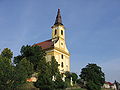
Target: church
column 56, row 46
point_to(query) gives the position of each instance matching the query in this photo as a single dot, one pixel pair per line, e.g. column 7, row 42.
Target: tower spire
column 58, row 18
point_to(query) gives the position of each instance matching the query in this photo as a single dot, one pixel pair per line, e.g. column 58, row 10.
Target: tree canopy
column 34, row 54
column 74, row 77
column 7, row 53
column 48, row 70
column 53, row 66
column 30, row 61
column 59, row 83
column 12, row 75
column 6, row 73
column 93, row 77
column 68, row 75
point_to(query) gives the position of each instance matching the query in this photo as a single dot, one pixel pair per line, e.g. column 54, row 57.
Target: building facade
column 56, row 46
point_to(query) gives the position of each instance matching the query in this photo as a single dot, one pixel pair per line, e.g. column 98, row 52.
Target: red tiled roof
column 46, row 44
column 109, row 83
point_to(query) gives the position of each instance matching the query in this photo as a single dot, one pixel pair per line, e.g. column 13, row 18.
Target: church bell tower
column 56, row 46
column 58, row 34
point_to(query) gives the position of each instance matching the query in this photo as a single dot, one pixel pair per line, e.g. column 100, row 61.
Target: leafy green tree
column 44, row 81
column 68, row 75
column 80, row 82
column 53, row 67
column 7, row 53
column 46, row 71
column 92, row 86
column 74, row 77
column 17, row 59
column 23, row 70
column 68, row 78
column 43, row 67
column 34, row 54
column 6, row 73
column 59, row 83
column 93, row 77
column 12, row 76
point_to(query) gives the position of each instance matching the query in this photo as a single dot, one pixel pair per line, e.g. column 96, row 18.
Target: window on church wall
column 55, row 32
column 62, row 65
column 61, row 32
column 62, row 56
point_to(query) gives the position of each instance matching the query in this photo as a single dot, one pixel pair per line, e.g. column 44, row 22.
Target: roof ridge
column 46, row 44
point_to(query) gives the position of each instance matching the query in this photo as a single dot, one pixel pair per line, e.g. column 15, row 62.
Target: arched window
column 62, row 65
column 61, row 32
column 55, row 32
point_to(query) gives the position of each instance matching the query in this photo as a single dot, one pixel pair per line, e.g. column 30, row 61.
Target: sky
column 92, row 29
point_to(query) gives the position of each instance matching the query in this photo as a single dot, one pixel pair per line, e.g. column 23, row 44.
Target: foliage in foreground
column 45, row 70
column 93, row 77
column 33, row 54
column 32, row 60
column 11, row 76
column 70, row 76
column 45, row 77
column 59, row 83
column 44, row 82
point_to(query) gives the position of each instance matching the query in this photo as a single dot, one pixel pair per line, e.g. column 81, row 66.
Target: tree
column 68, row 75
column 23, row 70
column 68, row 78
column 34, row 54
column 44, row 81
column 53, row 66
column 92, row 86
column 17, row 59
column 6, row 73
column 93, row 77
column 46, row 71
column 12, row 75
column 80, row 82
column 59, row 83
column 7, row 53
column 74, row 77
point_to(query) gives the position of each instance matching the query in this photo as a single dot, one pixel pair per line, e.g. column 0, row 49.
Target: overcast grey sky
column 92, row 29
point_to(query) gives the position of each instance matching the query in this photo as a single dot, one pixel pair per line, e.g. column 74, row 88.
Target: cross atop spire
column 58, row 18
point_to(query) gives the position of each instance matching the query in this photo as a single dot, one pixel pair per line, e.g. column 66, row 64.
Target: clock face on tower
column 62, row 44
